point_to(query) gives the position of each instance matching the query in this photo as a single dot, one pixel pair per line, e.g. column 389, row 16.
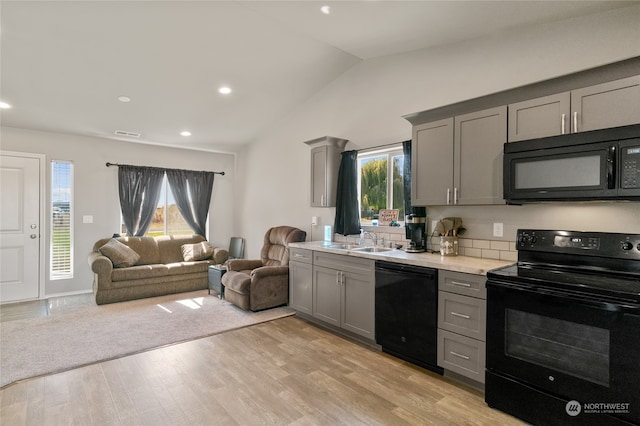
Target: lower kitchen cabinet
column 301, row 280
column 344, row 292
column 462, row 319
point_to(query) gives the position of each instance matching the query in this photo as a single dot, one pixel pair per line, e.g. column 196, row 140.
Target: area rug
column 78, row 332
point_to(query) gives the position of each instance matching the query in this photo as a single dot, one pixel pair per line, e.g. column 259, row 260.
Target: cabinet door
column 300, row 287
column 479, row 140
column 319, row 157
column 612, row 104
column 540, row 117
column 358, row 304
column 431, row 163
column 327, row 289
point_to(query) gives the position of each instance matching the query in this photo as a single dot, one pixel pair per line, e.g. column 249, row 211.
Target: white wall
column 366, row 105
column 96, row 188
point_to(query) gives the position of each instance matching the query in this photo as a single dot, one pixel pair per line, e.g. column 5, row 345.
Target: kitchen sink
column 372, row 249
column 344, row 246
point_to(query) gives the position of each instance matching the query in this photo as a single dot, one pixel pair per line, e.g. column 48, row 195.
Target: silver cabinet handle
column 564, row 123
column 459, row 355
column 338, row 277
column 455, row 195
column 455, row 314
column 575, row 122
column 448, row 196
column 458, row 283
column 322, row 200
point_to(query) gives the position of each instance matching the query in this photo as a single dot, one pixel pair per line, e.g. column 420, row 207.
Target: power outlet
column 498, row 229
column 434, row 225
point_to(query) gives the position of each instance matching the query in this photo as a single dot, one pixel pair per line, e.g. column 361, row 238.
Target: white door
column 19, row 227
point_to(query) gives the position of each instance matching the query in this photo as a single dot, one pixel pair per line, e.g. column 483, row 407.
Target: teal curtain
column 347, row 220
column 406, row 180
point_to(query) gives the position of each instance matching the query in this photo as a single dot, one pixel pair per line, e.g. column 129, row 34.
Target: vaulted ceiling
column 65, row 64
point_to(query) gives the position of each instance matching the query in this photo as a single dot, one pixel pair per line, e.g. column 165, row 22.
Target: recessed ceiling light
column 325, row 9
column 124, row 99
column 185, row 133
column 224, row 90
column 4, row 105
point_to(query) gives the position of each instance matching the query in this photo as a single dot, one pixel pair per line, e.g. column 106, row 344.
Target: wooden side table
column 215, row 279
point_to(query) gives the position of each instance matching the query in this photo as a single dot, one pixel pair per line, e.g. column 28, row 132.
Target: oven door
column 573, row 347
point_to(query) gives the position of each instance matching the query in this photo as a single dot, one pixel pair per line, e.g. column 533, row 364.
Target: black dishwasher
column 407, row 312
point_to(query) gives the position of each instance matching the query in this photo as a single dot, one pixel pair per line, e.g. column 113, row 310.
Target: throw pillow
column 198, row 251
column 121, row 255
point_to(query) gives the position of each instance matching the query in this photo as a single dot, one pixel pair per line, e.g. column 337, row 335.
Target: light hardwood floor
column 283, row 372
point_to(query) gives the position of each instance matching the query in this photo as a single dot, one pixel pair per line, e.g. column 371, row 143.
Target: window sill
column 387, row 229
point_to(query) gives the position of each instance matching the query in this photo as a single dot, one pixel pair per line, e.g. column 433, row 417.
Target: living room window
column 376, row 190
column 167, row 219
column 61, row 242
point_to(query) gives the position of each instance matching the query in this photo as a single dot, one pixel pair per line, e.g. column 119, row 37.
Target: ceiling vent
column 127, row 134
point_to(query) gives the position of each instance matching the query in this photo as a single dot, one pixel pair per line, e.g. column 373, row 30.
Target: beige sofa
column 156, row 266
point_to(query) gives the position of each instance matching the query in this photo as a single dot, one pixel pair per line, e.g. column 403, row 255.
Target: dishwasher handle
column 393, row 267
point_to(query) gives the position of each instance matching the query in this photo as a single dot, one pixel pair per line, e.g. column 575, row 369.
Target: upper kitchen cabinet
column 432, row 163
column 479, row 138
column 611, row 104
column 325, row 162
column 459, row 160
column 539, row 118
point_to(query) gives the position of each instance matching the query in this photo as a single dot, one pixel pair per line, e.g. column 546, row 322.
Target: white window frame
column 67, row 273
column 390, row 152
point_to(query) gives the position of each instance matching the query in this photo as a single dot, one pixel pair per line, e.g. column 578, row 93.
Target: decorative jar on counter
column 448, row 246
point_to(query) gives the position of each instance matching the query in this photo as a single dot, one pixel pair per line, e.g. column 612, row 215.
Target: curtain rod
column 129, row 165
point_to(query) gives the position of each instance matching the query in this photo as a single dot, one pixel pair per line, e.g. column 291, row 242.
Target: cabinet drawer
column 300, row 255
column 462, row 314
column 461, row 283
column 344, row 262
column 461, row 355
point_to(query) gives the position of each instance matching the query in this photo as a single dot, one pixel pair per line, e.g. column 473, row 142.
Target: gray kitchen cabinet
column 479, row 139
column 462, row 312
column 432, row 162
column 611, row 104
column 301, row 280
column 327, row 294
column 343, row 293
column 539, row 118
column 325, row 162
column 459, row 160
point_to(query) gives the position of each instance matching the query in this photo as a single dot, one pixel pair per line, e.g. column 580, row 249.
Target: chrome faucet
column 373, row 236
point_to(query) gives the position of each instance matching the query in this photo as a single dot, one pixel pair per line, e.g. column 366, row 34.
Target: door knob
column 33, row 236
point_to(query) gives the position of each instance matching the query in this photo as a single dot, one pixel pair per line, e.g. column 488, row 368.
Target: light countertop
column 469, row 265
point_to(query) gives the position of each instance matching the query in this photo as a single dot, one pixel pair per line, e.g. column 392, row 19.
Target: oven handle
column 607, row 303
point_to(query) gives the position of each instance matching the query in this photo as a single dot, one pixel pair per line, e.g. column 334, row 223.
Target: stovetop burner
column 602, row 264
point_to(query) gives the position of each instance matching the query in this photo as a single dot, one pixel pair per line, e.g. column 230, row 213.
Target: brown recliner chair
column 261, row 284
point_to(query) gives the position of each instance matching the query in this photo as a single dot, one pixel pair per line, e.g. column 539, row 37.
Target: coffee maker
column 416, row 229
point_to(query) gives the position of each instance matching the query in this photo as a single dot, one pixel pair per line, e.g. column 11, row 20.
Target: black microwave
column 595, row 165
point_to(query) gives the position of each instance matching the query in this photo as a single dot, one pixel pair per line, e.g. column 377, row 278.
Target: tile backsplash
column 486, row 249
